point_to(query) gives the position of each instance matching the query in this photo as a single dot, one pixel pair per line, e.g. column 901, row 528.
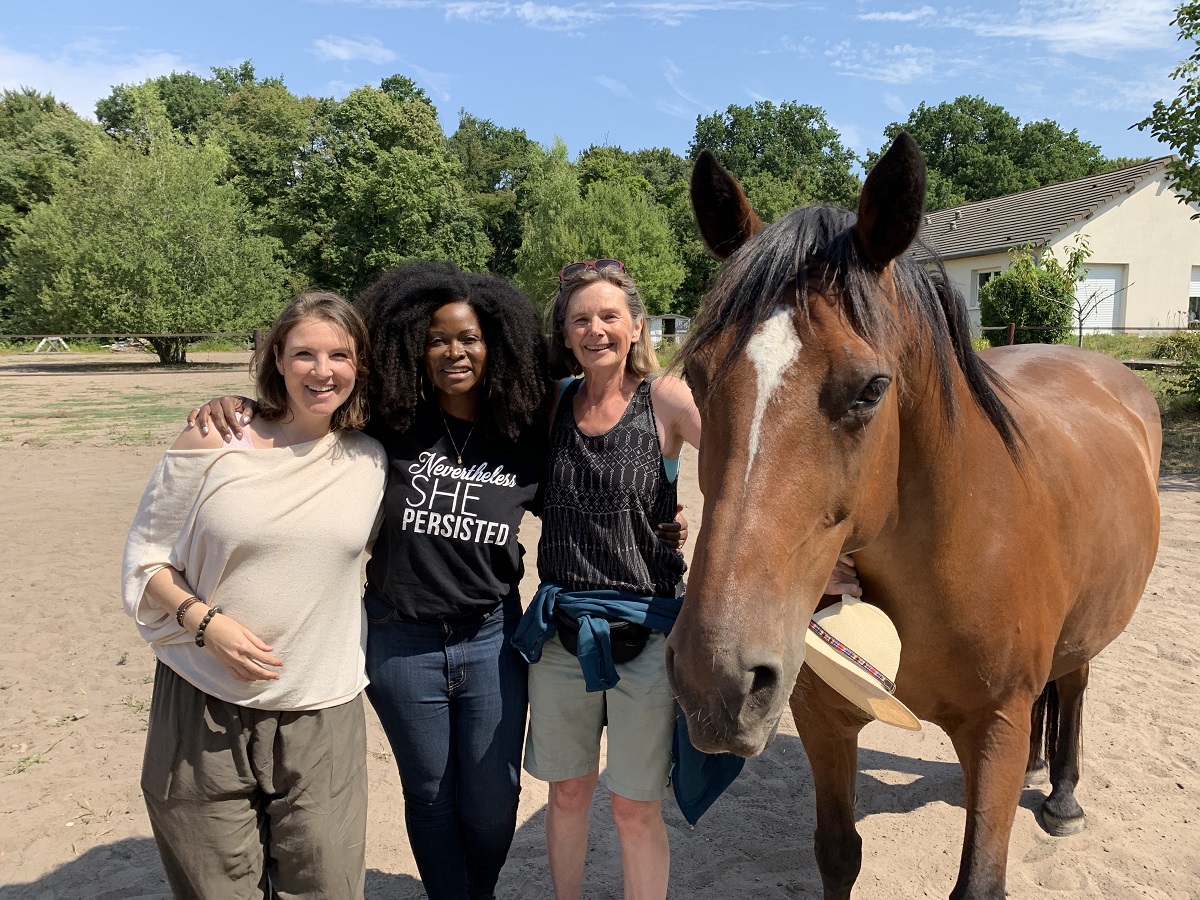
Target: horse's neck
column 940, row 456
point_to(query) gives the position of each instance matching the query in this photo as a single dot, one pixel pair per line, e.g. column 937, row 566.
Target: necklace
column 457, row 451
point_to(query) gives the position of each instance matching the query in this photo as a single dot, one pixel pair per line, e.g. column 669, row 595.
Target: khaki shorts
column 565, row 722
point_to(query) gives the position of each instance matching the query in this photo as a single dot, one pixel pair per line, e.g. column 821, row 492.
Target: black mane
column 816, row 246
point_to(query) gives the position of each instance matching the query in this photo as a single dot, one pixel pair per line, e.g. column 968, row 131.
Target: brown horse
column 1001, row 507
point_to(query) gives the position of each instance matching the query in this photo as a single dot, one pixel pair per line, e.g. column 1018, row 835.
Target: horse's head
column 795, row 363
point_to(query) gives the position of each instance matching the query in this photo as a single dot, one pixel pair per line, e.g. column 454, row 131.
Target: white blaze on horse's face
column 772, row 349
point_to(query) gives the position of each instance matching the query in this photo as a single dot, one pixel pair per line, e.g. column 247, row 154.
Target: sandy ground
column 75, row 683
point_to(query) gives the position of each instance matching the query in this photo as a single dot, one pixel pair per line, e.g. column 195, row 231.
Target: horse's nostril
column 763, row 685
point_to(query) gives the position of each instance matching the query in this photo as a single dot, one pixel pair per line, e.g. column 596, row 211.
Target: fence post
column 1012, row 333
column 258, row 337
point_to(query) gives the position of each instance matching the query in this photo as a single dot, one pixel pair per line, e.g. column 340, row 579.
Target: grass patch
column 1180, row 422
column 32, row 760
column 1121, row 346
column 129, row 417
column 138, row 706
column 217, row 345
column 666, row 352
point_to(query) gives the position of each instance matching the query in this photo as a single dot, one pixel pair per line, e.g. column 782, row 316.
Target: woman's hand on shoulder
column 194, row 439
column 226, row 414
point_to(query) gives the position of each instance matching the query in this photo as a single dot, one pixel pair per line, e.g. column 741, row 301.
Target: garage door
column 1100, row 293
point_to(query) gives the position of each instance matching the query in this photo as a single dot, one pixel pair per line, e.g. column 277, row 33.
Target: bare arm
column 677, row 415
column 236, row 648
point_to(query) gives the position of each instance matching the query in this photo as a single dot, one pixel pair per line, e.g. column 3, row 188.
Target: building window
column 982, row 278
column 1193, row 318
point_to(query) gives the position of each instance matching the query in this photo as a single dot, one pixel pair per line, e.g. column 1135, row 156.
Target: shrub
column 1178, row 345
column 1184, row 347
column 1030, row 296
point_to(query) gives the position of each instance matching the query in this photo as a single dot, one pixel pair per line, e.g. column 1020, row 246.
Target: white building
column 670, row 329
column 1145, row 264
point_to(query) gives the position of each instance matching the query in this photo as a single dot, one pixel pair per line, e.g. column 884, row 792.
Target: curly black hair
column 397, row 308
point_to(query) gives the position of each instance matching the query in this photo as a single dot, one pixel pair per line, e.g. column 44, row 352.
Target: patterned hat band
column 888, row 684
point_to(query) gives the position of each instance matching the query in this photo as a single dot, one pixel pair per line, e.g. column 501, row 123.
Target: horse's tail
column 1045, row 719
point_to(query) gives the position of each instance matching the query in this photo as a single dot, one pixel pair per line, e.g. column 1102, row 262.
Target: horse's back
column 1068, row 388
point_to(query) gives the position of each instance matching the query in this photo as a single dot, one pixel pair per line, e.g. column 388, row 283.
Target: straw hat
column 854, row 648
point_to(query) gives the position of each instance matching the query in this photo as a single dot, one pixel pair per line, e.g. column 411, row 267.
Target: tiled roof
column 1029, row 217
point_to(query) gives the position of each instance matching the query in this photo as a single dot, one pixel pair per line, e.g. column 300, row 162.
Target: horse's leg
column 993, row 749
column 830, row 739
column 1061, row 814
column 1045, row 716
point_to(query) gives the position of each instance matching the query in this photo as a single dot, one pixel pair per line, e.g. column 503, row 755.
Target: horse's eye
column 869, row 397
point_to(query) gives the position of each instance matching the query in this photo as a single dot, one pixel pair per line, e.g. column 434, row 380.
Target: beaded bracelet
column 183, row 608
column 204, row 624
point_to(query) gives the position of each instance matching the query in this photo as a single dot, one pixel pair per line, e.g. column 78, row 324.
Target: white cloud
column 672, row 73
column 547, row 17
column 913, row 15
column 898, row 64
column 377, row 4
column 1110, row 93
column 85, row 72
column 675, row 12
column 1094, row 28
column 894, row 104
column 340, row 49
column 674, row 109
column 611, row 84
column 551, row 17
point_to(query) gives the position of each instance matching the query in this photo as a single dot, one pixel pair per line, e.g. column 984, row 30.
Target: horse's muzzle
column 734, row 706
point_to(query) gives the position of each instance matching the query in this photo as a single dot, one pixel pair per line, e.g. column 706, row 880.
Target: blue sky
column 634, row 74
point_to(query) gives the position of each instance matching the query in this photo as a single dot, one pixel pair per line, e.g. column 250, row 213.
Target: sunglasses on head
column 570, row 271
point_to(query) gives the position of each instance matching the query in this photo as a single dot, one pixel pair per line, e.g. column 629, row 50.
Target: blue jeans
column 452, row 699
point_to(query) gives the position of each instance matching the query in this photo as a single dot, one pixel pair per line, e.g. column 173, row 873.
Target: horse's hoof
column 1063, row 827
column 1037, row 776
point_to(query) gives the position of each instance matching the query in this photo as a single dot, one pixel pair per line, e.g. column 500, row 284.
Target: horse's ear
column 723, row 213
column 892, row 202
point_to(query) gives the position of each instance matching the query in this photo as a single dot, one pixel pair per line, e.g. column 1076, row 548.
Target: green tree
column 376, row 185
column 785, row 156
column 975, row 150
column 550, row 206
column 266, row 129
column 148, row 238
column 609, row 219
column 1177, row 123
column 189, row 100
column 1032, row 295
column 612, row 164
column 41, row 143
column 494, row 165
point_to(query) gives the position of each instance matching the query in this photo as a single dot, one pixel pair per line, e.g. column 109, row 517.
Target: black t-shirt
column 448, row 545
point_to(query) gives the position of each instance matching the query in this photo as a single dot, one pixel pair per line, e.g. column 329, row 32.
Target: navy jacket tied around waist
column 697, row 778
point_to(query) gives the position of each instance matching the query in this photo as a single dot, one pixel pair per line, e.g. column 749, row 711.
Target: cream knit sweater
column 277, row 537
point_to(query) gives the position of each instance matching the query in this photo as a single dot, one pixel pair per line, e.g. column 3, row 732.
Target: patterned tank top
column 604, row 496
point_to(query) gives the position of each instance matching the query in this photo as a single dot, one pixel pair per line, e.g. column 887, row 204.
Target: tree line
column 198, row 204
